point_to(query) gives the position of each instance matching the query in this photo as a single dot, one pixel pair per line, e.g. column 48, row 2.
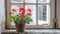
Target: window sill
column 34, row 31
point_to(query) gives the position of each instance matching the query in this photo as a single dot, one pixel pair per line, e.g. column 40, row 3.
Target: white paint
column 2, row 14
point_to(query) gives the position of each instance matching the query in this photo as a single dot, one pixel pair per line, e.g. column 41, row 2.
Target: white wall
column 2, row 14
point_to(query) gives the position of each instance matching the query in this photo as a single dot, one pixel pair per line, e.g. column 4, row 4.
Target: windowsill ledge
column 34, row 31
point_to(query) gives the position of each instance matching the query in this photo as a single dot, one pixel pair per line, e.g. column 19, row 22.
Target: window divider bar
column 37, row 12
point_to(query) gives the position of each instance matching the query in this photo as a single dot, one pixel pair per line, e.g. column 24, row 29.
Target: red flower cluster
column 22, row 10
column 14, row 10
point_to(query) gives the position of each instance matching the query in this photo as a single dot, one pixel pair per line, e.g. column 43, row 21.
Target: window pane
column 43, row 1
column 30, row 1
column 15, row 1
column 16, row 6
column 43, row 14
column 33, row 8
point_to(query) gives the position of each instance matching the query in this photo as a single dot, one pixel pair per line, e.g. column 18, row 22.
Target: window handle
column 55, row 20
column 56, row 24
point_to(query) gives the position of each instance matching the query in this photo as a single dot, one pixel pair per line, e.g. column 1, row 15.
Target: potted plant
column 20, row 17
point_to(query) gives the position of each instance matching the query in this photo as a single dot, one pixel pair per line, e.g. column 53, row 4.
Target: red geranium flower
column 29, row 12
column 21, row 9
column 10, row 13
column 14, row 10
column 21, row 16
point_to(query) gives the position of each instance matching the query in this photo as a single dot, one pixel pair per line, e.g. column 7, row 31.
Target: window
column 42, row 12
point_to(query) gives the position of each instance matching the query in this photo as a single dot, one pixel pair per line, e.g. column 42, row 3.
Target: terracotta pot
column 20, row 28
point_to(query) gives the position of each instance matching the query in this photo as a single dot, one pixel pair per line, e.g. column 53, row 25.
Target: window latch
column 56, row 24
column 55, row 20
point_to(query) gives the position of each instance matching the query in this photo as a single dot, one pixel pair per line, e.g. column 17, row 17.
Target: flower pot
column 20, row 28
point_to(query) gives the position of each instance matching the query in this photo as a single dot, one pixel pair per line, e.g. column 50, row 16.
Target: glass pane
column 16, row 1
column 33, row 8
column 43, row 14
column 43, row 1
column 30, row 1
column 15, row 7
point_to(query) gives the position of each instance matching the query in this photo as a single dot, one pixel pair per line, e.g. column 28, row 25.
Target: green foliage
column 27, row 19
column 16, row 18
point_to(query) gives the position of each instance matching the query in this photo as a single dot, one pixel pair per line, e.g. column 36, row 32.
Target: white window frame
column 52, row 8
